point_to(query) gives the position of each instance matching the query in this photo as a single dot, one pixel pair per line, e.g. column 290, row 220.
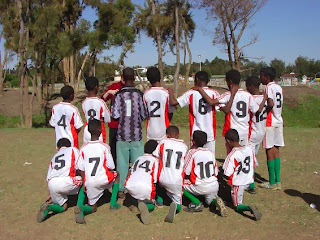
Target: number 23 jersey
column 239, row 166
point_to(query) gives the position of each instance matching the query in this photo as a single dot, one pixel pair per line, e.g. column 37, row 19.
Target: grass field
column 286, row 213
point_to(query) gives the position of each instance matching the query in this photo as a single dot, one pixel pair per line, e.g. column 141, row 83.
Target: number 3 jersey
column 275, row 92
column 171, row 154
column 202, row 116
column 157, row 102
column 63, row 163
column 201, row 166
column 96, row 161
column 239, row 166
column 66, row 119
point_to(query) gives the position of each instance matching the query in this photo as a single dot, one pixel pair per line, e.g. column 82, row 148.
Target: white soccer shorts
column 273, row 137
column 141, row 190
column 174, row 191
column 211, row 145
column 255, row 147
column 61, row 187
column 237, row 194
column 210, row 191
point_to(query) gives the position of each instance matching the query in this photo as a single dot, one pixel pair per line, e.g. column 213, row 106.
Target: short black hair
column 63, row 142
column 269, row 72
column 234, row 76
column 150, row 146
column 66, row 92
column 254, row 81
column 128, row 74
column 232, row 135
column 172, row 130
column 91, row 83
column 94, row 127
column 153, row 75
column 199, row 138
column 202, row 76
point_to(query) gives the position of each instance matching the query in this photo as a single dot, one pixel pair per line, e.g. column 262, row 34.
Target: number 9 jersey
column 239, row 166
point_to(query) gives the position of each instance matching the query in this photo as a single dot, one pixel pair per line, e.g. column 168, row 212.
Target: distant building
column 289, row 79
column 217, row 80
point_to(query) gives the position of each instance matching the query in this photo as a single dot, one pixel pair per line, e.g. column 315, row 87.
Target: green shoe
column 144, row 213
column 221, row 207
column 256, row 213
column 41, row 215
column 115, row 207
column 268, row 186
column 78, row 215
column 172, row 213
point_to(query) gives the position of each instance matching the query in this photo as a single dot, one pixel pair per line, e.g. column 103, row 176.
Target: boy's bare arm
column 265, row 98
column 78, row 130
column 83, row 176
column 206, row 97
column 233, row 89
column 270, row 105
column 173, row 101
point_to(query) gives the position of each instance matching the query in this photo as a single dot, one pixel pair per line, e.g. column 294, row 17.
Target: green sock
column 114, row 194
column 178, row 208
column 252, row 184
column 81, row 197
column 192, row 198
column 277, row 169
column 86, row 209
column 56, row 208
column 150, row 207
column 241, row 208
column 272, row 179
column 213, row 202
column 159, row 199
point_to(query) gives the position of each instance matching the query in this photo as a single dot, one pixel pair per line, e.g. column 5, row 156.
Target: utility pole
column 200, row 56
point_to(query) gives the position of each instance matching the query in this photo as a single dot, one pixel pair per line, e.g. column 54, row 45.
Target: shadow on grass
column 309, row 198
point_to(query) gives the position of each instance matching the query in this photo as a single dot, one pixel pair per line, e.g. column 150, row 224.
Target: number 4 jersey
column 239, row 166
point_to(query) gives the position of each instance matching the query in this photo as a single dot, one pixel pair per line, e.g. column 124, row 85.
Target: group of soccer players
column 164, row 161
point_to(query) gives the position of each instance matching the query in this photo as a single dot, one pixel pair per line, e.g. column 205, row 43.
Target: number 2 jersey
column 66, row 119
column 157, row 102
column 239, row 166
column 202, row 116
column 275, row 92
column 95, row 108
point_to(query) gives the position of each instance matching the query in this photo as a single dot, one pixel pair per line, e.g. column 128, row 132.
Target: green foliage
column 279, row 66
column 12, row 79
column 14, row 121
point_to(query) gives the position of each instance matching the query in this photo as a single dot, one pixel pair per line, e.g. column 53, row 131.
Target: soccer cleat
column 41, row 213
column 121, row 195
column 279, row 186
column 251, row 190
column 115, row 207
column 78, row 215
column 144, row 213
column 159, row 204
column 267, row 185
column 256, row 213
column 172, row 213
column 221, row 207
column 194, row 207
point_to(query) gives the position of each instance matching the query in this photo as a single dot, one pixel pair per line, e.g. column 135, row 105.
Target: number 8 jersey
column 239, row 166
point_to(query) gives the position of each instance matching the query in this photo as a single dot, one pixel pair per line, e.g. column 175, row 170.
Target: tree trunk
column 86, row 57
column 190, row 56
column 177, row 39
column 72, row 70
column 2, row 74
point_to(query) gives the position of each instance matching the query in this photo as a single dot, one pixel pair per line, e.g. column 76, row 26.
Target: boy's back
column 258, row 122
column 275, row 92
column 66, row 119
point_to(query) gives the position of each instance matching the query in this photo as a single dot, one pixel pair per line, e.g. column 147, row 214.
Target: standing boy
column 273, row 93
column 128, row 107
column 171, row 154
column 239, row 167
column 94, row 108
column 202, row 171
column 202, row 116
column 157, row 102
column 62, row 179
column 96, row 168
column 65, row 118
column 141, row 180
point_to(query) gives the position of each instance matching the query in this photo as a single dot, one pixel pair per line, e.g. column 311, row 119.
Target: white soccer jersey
column 239, row 166
column 63, row 163
column 239, row 116
column 171, row 154
column 96, row 161
column 66, row 119
column 143, row 175
column 258, row 126
column 202, row 116
column 201, row 166
column 95, row 108
column 275, row 92
column 157, row 102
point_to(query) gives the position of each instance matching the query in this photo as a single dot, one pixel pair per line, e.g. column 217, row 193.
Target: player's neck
column 129, row 83
column 256, row 92
column 236, row 145
column 202, row 84
column 156, row 84
column 92, row 94
column 67, row 101
column 94, row 138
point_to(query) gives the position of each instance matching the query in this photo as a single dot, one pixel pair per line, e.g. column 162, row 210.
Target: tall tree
column 278, row 65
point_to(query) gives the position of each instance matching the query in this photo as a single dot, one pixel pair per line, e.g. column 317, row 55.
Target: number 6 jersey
column 239, row 166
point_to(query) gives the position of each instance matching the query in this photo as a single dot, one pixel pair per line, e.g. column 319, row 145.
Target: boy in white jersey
column 141, row 180
column 273, row 94
column 237, row 104
column 239, row 167
column 171, row 154
column 62, row 179
column 65, row 118
column 94, row 108
column 202, row 171
column 202, row 116
column 96, row 168
column 157, row 102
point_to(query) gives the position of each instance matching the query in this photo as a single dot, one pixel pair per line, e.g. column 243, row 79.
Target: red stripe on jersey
column 193, row 176
column 236, row 164
column 109, row 174
column 269, row 119
column 214, row 121
column 72, row 172
column 191, row 115
column 153, row 188
column 166, row 113
column 74, row 132
column 160, row 160
column 227, row 123
column 103, row 132
column 250, row 125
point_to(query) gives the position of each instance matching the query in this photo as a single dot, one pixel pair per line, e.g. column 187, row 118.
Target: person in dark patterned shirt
column 129, row 108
